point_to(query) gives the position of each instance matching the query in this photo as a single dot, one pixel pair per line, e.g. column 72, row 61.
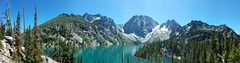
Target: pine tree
column 172, row 51
column 204, row 53
column 138, row 60
column 128, row 59
column 9, row 20
column 18, row 54
column 36, row 58
column 2, row 31
column 23, row 18
column 47, row 40
column 38, row 51
column 122, row 58
column 233, row 55
column 81, row 59
column 24, row 37
column 225, row 45
column 9, row 29
column 193, row 51
column 238, row 51
column 218, row 48
column 1, row 20
column 98, row 60
column 2, row 27
column 210, row 56
column 29, row 47
column 18, row 32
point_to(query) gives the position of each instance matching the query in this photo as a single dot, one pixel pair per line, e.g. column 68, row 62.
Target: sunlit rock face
column 91, row 18
column 140, row 25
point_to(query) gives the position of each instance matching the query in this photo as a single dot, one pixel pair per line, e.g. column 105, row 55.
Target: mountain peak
column 197, row 23
column 97, row 15
column 140, row 25
column 63, row 14
column 86, row 13
column 142, row 17
column 171, row 24
column 91, row 18
column 171, row 21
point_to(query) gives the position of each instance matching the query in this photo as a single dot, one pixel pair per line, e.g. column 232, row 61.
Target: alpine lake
column 111, row 54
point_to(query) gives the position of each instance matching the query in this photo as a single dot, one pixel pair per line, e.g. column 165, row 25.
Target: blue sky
column 213, row 12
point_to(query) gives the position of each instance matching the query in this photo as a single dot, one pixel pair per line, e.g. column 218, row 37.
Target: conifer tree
column 2, row 27
column 23, row 18
column 2, row 31
column 37, row 50
column 9, row 20
column 138, row 60
column 81, row 59
column 18, row 36
column 122, row 58
column 1, row 20
column 218, row 47
column 204, row 53
column 98, row 60
column 24, row 37
column 128, row 59
column 9, row 29
column 30, row 47
column 225, row 45
column 18, row 54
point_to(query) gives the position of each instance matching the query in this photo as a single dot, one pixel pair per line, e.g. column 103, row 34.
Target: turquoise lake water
column 111, row 53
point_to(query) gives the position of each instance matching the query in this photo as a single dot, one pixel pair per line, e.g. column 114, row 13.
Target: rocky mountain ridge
column 96, row 29
column 84, row 30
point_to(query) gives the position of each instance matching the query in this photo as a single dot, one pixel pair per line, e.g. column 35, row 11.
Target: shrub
column 1, row 45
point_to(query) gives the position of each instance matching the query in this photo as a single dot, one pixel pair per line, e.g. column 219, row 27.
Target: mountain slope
column 76, row 28
column 198, row 30
column 187, row 39
column 163, row 31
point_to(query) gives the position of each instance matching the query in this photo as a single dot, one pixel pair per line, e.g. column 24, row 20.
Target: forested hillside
column 196, row 42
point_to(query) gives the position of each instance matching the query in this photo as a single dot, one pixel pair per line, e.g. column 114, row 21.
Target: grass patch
column 1, row 45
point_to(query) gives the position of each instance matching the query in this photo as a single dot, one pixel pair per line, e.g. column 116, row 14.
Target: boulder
column 9, row 39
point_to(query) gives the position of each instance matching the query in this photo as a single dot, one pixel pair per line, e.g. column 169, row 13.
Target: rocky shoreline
column 7, row 51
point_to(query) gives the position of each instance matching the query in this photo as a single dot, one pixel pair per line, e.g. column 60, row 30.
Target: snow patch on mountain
column 164, row 29
column 162, row 33
column 131, row 36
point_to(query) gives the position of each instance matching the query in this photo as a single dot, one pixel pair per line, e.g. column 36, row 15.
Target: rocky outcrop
column 48, row 59
column 76, row 38
column 8, row 49
column 91, row 18
column 120, row 27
